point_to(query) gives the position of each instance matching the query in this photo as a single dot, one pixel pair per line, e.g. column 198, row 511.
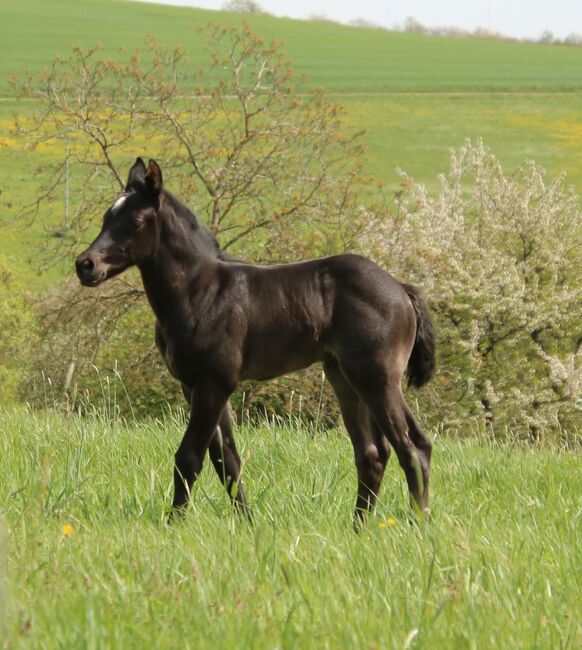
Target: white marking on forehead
column 119, row 203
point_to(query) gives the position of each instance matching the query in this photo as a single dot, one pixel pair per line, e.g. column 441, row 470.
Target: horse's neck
column 175, row 272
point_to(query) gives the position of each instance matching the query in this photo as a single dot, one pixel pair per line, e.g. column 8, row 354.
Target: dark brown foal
column 220, row 321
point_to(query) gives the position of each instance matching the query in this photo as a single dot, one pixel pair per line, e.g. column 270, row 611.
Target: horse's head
column 130, row 230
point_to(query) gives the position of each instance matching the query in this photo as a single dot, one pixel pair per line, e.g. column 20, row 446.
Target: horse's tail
column 421, row 364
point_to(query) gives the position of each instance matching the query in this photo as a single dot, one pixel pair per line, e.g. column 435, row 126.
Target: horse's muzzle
column 88, row 272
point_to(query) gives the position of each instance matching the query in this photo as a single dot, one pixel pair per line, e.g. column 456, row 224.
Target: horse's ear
column 153, row 178
column 136, row 175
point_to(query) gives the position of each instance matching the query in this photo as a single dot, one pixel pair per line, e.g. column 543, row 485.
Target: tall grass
column 90, row 561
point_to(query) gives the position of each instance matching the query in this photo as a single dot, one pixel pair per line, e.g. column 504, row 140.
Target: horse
column 220, row 320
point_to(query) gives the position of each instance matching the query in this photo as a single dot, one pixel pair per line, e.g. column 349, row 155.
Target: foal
column 220, row 321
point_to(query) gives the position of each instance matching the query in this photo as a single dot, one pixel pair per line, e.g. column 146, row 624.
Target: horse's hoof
column 177, row 513
column 247, row 515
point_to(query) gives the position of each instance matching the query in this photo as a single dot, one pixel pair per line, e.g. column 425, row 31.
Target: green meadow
column 86, row 557
column 89, row 561
column 415, row 96
column 342, row 59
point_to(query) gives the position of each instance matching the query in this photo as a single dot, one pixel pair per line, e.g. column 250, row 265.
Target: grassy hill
column 343, row 59
column 417, row 96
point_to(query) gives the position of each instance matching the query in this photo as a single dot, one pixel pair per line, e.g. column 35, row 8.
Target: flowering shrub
column 499, row 257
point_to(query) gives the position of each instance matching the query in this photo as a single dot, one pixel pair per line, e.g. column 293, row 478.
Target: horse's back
column 340, row 292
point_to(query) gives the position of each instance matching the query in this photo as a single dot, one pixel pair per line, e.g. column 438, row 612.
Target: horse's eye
column 135, row 224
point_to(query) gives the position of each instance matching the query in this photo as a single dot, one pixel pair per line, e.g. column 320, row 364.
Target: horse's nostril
column 87, row 265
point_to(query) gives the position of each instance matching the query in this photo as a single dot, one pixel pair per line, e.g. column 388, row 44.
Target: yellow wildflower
column 389, row 522
column 68, row 530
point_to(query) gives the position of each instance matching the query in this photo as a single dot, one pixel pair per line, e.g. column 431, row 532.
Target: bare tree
column 255, row 154
column 243, row 6
column 265, row 161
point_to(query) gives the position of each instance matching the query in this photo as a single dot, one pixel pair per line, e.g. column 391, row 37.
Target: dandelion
column 389, row 522
column 68, row 530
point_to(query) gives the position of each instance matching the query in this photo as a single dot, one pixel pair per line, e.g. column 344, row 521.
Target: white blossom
column 499, row 257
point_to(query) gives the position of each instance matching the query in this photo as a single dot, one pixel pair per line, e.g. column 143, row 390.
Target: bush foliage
column 499, row 257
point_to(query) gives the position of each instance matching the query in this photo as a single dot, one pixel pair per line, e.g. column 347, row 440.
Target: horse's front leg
column 207, row 403
column 224, row 456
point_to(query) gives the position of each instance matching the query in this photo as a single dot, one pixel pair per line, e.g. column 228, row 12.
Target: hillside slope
column 343, row 59
column 416, row 96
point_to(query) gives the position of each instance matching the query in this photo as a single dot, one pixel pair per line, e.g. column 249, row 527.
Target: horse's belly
column 267, row 362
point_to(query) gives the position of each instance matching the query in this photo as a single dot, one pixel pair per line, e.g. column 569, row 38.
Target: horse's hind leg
column 225, row 459
column 424, row 446
column 377, row 432
column 393, row 417
column 371, row 451
column 383, row 396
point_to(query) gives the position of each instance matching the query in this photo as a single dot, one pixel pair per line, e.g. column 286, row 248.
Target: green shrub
column 499, row 257
column 96, row 350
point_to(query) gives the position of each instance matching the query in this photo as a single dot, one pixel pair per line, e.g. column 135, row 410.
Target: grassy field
column 89, row 563
column 342, row 59
column 416, row 96
column 86, row 559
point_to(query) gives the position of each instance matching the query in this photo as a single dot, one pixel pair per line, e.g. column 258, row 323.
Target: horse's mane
column 195, row 234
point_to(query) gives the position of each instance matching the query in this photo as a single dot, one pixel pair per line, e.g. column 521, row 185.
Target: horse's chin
column 93, row 282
